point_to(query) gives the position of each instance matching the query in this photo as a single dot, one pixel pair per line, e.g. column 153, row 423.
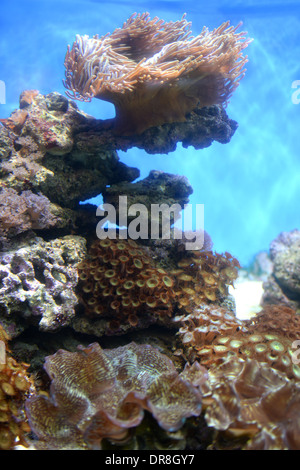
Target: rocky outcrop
column 283, row 285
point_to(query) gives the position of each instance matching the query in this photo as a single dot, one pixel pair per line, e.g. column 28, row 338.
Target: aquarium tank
column 149, row 230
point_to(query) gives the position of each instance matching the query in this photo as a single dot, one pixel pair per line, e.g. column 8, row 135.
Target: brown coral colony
column 14, row 387
column 154, row 72
column 120, row 281
column 204, row 276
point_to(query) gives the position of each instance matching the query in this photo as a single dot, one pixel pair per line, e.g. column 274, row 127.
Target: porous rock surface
column 283, row 285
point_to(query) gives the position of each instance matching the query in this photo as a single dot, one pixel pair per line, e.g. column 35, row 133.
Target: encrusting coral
column 120, row 282
column 203, row 276
column 38, row 279
column 203, row 326
column 18, row 117
column 24, row 211
column 154, row 72
column 102, row 393
column 212, row 335
column 15, row 386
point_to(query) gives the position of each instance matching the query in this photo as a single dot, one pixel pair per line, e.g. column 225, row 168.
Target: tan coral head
column 155, row 72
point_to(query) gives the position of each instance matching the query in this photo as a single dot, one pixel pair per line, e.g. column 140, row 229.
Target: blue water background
column 250, row 187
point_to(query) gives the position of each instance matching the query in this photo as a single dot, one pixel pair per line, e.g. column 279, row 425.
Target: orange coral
column 120, row 281
column 204, row 326
column 26, row 97
column 16, row 120
column 274, row 350
column 153, row 72
column 14, row 387
column 204, row 277
column 212, row 335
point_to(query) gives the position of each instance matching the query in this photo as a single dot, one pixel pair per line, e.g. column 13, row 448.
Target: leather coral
column 252, row 406
column 154, row 72
column 102, row 393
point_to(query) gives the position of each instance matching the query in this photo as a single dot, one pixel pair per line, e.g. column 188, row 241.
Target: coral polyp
column 15, row 385
column 212, row 335
column 204, row 277
column 120, row 281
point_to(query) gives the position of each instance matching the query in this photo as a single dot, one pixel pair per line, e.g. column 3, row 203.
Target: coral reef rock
column 201, row 127
column 22, row 212
column 152, row 192
column 42, row 155
column 160, row 304
column 37, row 281
column 283, row 285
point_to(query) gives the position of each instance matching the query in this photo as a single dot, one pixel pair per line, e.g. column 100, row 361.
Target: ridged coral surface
column 252, row 406
column 38, row 280
column 102, row 393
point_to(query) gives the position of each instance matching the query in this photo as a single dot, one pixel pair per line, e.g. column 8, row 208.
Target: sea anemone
column 154, row 72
